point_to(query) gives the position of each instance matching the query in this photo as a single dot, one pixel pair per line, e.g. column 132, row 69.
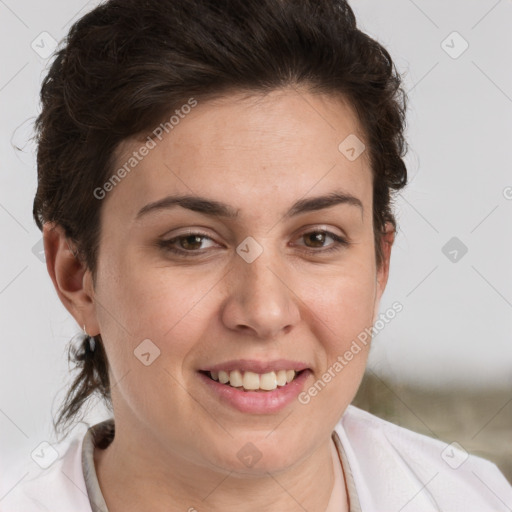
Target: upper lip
column 252, row 365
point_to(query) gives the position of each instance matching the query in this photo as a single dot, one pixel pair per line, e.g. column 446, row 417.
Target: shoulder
column 55, row 485
column 412, row 471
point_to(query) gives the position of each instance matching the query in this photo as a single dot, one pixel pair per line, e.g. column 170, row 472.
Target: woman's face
column 263, row 289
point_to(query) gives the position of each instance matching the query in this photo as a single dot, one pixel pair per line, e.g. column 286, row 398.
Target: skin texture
column 176, row 443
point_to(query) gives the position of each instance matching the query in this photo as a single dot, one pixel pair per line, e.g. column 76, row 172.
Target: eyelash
column 340, row 243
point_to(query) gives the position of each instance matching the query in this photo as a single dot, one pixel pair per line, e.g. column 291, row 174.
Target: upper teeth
column 253, row 381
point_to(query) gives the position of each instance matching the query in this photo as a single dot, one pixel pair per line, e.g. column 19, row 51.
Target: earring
column 92, row 342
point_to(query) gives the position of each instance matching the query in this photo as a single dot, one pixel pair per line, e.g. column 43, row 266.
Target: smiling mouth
column 251, row 381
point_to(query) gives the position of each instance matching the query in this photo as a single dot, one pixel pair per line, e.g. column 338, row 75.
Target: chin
column 257, row 458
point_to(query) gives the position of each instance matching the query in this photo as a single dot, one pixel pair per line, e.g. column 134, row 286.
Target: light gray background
column 456, row 326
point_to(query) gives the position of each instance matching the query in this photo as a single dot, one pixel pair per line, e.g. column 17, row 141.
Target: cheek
column 343, row 315
column 343, row 304
column 164, row 305
column 156, row 305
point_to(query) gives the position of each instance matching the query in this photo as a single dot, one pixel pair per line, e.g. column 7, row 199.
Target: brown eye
column 188, row 244
column 190, row 241
column 318, row 239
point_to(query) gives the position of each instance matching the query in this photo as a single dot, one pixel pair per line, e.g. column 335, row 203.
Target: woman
column 215, row 187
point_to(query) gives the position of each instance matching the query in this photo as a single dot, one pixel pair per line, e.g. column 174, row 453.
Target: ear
column 387, row 239
column 71, row 278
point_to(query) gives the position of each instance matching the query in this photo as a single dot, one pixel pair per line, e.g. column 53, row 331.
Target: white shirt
column 388, row 469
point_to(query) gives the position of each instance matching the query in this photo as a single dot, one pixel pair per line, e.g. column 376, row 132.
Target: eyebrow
column 214, row 208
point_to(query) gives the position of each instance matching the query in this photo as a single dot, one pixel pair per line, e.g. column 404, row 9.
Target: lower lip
column 257, row 402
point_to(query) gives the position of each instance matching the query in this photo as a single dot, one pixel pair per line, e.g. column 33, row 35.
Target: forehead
column 248, row 150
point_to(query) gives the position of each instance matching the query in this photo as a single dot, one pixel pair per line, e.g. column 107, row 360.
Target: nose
column 261, row 300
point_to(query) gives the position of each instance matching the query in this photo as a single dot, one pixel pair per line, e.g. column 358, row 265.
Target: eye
column 189, row 244
column 319, row 236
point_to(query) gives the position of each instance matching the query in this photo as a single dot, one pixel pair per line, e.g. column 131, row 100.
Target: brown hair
column 127, row 64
